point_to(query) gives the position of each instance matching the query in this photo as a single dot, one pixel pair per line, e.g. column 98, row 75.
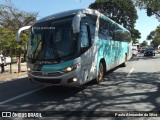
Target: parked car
column 149, row 51
column 142, row 49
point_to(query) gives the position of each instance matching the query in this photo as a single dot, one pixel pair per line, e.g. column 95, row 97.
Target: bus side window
column 104, row 30
column 84, row 36
column 112, row 29
column 122, row 35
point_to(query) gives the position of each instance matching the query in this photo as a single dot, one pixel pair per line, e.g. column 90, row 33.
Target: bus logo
column 45, row 74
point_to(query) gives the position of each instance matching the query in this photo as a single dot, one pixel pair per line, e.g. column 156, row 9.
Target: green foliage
column 156, row 42
column 152, row 7
column 6, row 38
column 11, row 19
column 135, row 34
column 122, row 12
column 144, row 43
column 8, row 41
column 151, row 35
column 155, row 37
column 134, row 41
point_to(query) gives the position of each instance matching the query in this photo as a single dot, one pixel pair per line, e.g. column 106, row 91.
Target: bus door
column 86, row 51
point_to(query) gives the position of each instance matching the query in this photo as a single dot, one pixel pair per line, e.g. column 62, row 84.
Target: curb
column 14, row 75
column 8, row 76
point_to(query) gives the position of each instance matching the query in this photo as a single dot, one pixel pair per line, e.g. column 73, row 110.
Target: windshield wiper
column 35, row 57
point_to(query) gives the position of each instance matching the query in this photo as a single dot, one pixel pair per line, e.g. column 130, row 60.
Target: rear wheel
column 124, row 64
column 100, row 76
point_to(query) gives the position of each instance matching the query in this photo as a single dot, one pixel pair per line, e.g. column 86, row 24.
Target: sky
column 44, row 8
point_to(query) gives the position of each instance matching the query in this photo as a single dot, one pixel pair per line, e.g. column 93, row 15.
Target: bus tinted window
column 122, row 35
column 90, row 20
column 84, row 36
column 104, row 30
column 111, row 31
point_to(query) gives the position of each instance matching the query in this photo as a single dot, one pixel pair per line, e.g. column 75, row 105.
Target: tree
column 144, row 43
column 12, row 19
column 122, row 12
column 135, row 35
column 151, row 36
column 8, row 43
column 152, row 7
column 155, row 37
column 156, row 42
column 7, row 40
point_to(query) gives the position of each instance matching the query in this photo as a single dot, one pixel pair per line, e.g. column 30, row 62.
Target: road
column 132, row 88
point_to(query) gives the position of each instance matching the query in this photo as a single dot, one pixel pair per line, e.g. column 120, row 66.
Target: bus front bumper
column 67, row 79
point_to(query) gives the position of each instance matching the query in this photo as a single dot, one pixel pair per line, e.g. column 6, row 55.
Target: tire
column 101, row 71
column 124, row 64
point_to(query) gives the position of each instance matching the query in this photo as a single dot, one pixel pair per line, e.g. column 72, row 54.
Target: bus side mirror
column 76, row 22
column 19, row 32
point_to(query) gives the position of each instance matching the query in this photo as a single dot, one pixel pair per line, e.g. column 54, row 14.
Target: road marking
column 130, row 72
column 22, row 95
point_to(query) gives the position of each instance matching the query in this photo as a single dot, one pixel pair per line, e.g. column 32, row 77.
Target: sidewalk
column 7, row 75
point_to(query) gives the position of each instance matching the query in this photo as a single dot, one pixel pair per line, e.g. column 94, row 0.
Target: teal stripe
column 56, row 67
column 111, row 50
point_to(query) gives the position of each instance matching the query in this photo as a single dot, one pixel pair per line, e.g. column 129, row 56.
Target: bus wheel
column 124, row 64
column 100, row 76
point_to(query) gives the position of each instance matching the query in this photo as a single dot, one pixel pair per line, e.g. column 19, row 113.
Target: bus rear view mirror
column 76, row 22
column 19, row 32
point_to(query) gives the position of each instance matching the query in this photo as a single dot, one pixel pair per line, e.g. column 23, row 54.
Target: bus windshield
column 52, row 41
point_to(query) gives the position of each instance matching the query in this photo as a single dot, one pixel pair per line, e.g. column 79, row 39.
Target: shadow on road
column 138, row 92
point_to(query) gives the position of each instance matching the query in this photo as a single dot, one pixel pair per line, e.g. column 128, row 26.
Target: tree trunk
column 19, row 61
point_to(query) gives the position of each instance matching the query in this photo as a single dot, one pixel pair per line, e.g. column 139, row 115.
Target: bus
column 74, row 47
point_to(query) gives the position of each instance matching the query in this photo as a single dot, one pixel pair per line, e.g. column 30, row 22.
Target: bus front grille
column 49, row 74
column 51, row 81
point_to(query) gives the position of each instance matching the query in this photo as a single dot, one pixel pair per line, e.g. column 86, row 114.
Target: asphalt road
column 132, row 88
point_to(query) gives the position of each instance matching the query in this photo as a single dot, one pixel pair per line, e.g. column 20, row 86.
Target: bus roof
column 59, row 15
column 76, row 11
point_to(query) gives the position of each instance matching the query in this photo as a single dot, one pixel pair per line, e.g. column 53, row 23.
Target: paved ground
column 14, row 68
column 126, row 89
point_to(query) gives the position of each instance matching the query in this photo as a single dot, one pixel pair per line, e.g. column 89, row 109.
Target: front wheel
column 100, row 76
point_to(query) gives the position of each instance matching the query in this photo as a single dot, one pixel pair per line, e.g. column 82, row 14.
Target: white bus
column 74, row 47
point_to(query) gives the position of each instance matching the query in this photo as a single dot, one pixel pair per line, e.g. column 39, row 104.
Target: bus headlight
column 71, row 68
column 68, row 69
column 29, row 69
